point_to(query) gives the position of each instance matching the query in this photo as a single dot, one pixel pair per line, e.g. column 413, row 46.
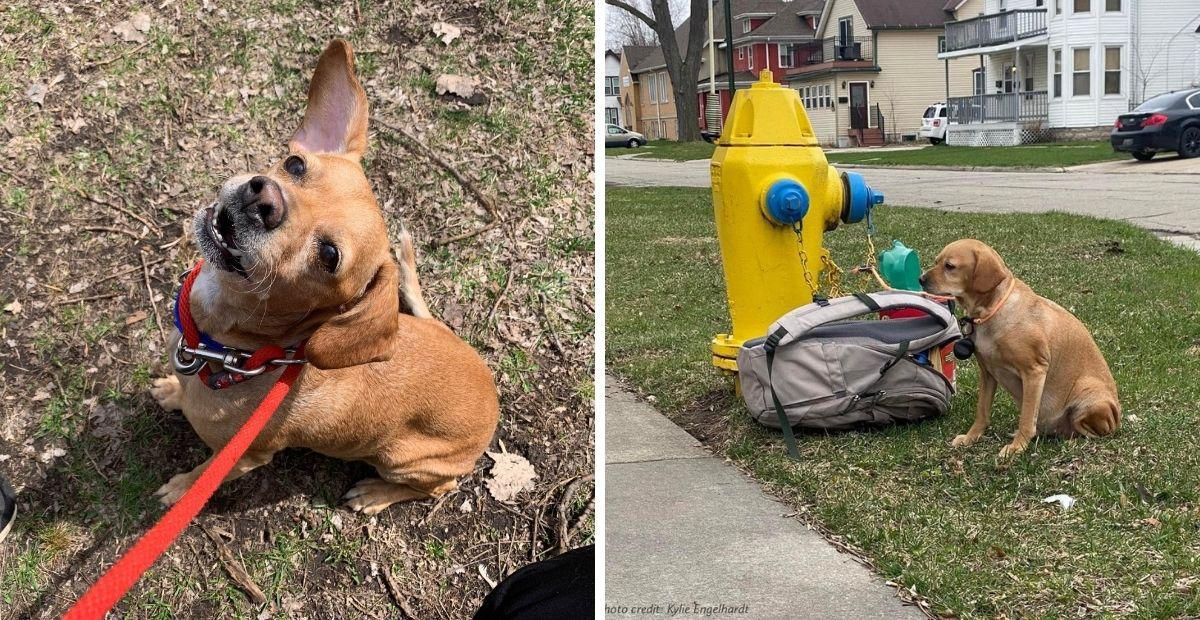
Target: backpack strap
column 789, row 438
column 800, row 321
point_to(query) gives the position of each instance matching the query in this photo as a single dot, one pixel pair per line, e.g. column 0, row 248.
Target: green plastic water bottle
column 901, row 267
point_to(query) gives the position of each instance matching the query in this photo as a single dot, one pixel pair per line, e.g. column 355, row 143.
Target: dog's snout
column 923, row 279
column 262, row 201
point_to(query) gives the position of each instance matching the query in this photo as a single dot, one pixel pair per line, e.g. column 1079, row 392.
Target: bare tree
column 683, row 66
column 624, row 29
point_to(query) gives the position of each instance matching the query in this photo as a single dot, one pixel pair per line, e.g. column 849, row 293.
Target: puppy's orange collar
column 1011, row 285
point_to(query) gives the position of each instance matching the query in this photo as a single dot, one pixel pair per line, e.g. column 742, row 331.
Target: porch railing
column 834, row 49
column 994, row 29
column 1004, row 107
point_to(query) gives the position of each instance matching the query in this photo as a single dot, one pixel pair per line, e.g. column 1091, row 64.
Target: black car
column 1169, row 122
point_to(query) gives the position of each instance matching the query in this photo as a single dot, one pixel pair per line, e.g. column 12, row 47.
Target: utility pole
column 729, row 45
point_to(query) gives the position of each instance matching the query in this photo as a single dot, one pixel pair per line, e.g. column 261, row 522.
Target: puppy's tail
column 411, row 299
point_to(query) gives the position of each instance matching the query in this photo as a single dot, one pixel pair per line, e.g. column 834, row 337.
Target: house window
column 786, row 54
column 1040, row 3
column 1058, row 7
column 610, row 116
column 827, row 96
column 1112, row 6
column 977, row 82
column 1112, row 70
column 1081, row 67
column 662, row 87
column 1056, row 81
column 745, row 25
column 741, row 53
column 750, row 55
column 611, row 86
column 1083, row 6
column 1003, row 6
column 651, row 88
column 846, row 30
column 941, row 45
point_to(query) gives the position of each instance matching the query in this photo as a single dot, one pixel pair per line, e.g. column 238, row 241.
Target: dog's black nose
column 923, row 279
column 262, row 202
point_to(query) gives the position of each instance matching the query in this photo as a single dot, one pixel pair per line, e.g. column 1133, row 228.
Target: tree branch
column 634, row 11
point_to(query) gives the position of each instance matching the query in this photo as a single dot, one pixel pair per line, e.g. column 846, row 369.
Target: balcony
column 833, row 52
column 995, row 29
column 998, row 108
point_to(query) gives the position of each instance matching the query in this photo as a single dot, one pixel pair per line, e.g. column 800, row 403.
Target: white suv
column 933, row 123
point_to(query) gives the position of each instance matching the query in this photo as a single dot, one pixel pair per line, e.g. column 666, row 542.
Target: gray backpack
column 815, row 369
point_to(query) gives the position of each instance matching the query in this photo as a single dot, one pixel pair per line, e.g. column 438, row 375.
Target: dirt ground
column 117, row 121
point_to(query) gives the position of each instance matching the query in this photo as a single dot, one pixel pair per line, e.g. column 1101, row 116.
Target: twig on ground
column 117, row 274
column 564, row 531
column 150, row 295
column 420, row 147
column 112, row 229
column 109, row 61
column 499, row 298
column 126, row 211
column 235, row 568
column 537, row 517
column 82, row 299
column 397, row 596
column 436, row 507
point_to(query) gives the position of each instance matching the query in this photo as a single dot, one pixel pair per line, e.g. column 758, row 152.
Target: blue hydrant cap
column 859, row 198
column 787, row 201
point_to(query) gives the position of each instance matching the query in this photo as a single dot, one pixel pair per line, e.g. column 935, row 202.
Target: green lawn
column 667, row 149
column 959, row 526
column 1031, row 156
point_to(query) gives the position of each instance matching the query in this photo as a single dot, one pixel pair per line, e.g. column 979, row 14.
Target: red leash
column 105, row 593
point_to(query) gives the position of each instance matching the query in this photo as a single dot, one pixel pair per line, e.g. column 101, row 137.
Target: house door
column 858, row 105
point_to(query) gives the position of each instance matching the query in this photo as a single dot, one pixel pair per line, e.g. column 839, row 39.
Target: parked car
column 1168, row 122
column 934, row 122
column 619, row 136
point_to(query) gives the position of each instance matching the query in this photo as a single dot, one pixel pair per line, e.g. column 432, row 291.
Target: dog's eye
column 294, row 166
column 949, row 266
column 329, row 256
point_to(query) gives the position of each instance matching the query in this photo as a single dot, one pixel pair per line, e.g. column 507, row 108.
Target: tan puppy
column 299, row 252
column 1038, row 351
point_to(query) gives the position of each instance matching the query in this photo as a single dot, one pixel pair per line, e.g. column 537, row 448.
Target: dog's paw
column 174, row 489
column 963, row 441
column 372, row 495
column 168, row 393
column 1011, row 450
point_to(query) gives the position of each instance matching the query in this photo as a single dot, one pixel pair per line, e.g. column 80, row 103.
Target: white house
column 1065, row 69
column 612, row 87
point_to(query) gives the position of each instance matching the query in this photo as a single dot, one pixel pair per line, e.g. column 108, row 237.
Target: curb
column 1055, row 169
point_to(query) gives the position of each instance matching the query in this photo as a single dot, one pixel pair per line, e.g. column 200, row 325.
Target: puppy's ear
column 363, row 332
column 990, row 270
column 335, row 120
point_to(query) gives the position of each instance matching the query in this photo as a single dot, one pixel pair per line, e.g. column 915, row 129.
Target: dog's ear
column 989, row 270
column 364, row 331
column 335, row 120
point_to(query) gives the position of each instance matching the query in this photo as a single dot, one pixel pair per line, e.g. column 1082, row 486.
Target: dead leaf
column 1152, row 522
column 136, row 317
column 36, row 92
column 14, row 307
column 447, row 32
column 133, row 30
column 39, row 396
column 461, row 86
column 511, row 474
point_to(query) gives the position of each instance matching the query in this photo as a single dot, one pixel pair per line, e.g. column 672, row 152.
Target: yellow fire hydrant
column 775, row 196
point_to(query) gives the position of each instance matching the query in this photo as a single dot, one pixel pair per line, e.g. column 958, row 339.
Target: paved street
column 1160, row 196
column 688, row 530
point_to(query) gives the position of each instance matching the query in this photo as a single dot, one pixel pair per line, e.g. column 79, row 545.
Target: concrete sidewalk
column 687, row 531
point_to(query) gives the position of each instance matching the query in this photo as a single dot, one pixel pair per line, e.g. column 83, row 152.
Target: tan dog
column 1038, row 351
column 300, row 252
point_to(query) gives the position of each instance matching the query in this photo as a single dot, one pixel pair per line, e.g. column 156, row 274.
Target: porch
column 1010, row 103
column 995, row 32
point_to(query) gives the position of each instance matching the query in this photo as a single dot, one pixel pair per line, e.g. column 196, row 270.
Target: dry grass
column 133, row 136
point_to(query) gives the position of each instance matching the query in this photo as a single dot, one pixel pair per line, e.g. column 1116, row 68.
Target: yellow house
column 873, row 68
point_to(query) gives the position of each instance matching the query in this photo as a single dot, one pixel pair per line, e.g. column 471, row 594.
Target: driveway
column 1166, row 203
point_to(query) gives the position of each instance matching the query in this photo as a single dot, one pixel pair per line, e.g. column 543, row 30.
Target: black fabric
column 891, row 331
column 8, row 507
column 561, row 587
column 867, row 301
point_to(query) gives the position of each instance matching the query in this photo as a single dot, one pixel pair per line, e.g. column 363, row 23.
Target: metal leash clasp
column 189, row 360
